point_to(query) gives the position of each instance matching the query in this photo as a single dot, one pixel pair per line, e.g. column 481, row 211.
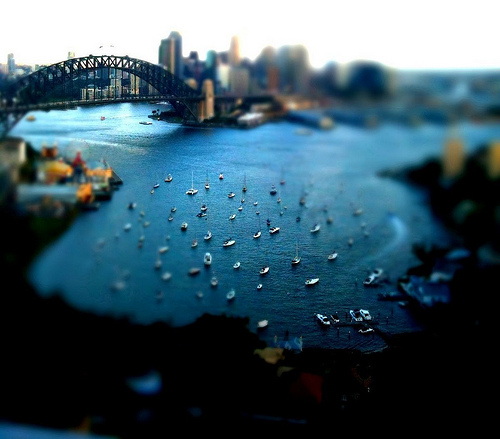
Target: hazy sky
column 424, row 34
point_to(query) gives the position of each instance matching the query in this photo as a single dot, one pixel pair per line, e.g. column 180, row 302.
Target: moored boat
column 207, row 259
column 228, row 242
column 356, row 316
column 312, row 281
column 264, row 270
column 322, row 319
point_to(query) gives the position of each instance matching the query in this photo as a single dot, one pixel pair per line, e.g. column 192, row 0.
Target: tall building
column 170, row 54
column 11, row 63
column 234, row 52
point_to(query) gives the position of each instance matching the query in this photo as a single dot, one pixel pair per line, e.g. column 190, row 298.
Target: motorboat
column 221, row 176
column 146, row 123
column 236, row 265
column 166, row 276
column 170, row 217
column 356, row 315
column 207, row 259
column 127, row 227
column 228, row 242
column 264, row 270
column 257, row 234
column 208, row 235
column 332, row 256
column 259, row 287
column 371, row 279
column 365, row 314
column 214, row 281
column 240, row 208
column 203, row 207
column 173, row 209
column 194, row 271
column 231, row 294
column 233, row 216
column 231, row 195
column 255, row 203
column 184, row 226
column 168, row 178
column 261, row 324
column 201, row 214
column 274, row 230
column 366, row 330
column 157, row 185
column 315, row 228
column 163, row 249
column 312, row 281
column 323, row 319
column 273, row 190
column 194, row 243
column 152, row 191
column 268, row 222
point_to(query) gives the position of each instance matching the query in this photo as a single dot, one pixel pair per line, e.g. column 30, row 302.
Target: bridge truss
column 94, row 80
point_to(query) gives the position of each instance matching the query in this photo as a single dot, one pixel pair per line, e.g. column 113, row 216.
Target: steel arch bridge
column 93, row 80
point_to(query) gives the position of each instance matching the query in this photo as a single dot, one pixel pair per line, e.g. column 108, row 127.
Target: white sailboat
column 192, row 190
column 296, row 258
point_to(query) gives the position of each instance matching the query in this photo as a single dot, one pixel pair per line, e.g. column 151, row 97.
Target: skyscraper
column 170, row 54
column 234, row 52
column 11, row 63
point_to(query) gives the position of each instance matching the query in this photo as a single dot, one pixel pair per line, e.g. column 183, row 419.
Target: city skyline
column 434, row 35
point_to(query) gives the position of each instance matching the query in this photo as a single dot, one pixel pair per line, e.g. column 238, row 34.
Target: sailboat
column 207, row 183
column 207, row 235
column 192, row 190
column 244, row 183
column 296, row 258
column 258, row 232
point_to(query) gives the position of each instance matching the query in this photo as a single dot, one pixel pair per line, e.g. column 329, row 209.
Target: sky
column 424, row 34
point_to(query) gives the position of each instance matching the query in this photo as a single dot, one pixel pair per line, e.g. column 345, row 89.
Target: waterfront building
column 11, row 64
column 207, row 105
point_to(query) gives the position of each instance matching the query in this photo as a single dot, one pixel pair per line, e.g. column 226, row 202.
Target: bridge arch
column 54, row 87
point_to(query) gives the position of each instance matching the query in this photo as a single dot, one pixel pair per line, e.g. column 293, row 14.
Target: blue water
column 336, row 172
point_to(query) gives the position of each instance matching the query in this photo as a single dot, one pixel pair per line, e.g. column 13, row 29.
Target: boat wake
column 400, row 236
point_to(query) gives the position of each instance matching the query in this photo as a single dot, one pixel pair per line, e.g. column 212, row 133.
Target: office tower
column 234, row 52
column 170, row 54
column 11, row 63
column 207, row 105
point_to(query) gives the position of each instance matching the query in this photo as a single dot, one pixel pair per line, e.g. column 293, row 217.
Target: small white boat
column 255, row 203
column 228, row 242
column 146, row 123
column 261, row 324
column 170, row 217
column 259, row 287
column 231, row 294
column 194, row 243
column 166, row 276
column 192, row 190
column 273, row 190
column 315, row 228
column 208, row 235
column 207, row 185
column 231, row 195
column 332, row 256
column 152, row 191
column 312, row 281
column 365, row 314
column 274, row 230
column 334, row 318
column 257, row 234
column 295, row 260
column 366, row 330
column 184, row 226
column 194, row 271
column 323, row 319
column 201, row 214
column 214, row 281
column 264, row 270
column 157, row 185
column 203, row 207
column 221, row 176
column 173, row 209
column 163, row 249
column 236, row 265
column 356, row 316
column 168, row 178
column 240, row 208
column 207, row 259
column 127, row 227
column 233, row 216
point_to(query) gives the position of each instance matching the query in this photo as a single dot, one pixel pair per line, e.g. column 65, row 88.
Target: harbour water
column 99, row 267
